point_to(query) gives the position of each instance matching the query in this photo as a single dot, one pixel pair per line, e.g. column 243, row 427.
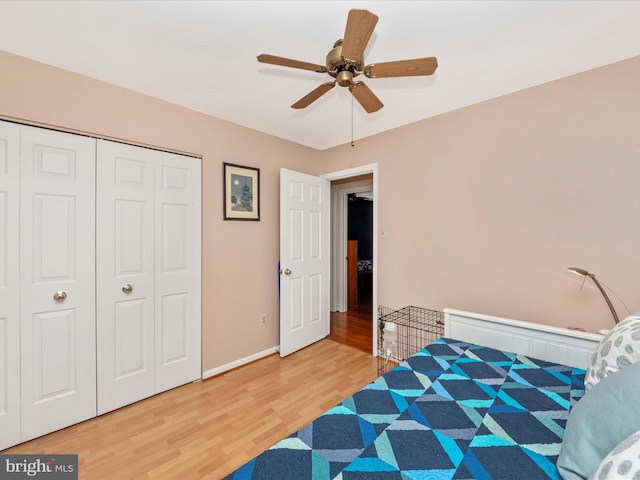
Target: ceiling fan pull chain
column 352, row 144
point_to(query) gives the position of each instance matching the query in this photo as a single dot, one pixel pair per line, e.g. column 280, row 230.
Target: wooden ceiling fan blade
column 313, row 95
column 287, row 62
column 366, row 97
column 360, row 25
column 402, row 68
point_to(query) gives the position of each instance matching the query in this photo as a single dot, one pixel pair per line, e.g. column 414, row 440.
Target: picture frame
column 241, row 190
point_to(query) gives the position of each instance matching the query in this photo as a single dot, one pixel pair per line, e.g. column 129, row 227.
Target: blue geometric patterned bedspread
column 453, row 410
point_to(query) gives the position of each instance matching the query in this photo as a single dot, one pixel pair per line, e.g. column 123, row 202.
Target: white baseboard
column 238, row 363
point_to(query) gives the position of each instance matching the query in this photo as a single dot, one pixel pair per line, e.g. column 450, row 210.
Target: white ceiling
column 202, row 54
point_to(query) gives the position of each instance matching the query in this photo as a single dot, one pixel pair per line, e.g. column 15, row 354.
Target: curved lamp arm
column 583, row 273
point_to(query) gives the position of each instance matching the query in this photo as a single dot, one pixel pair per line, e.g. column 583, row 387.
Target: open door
column 304, row 260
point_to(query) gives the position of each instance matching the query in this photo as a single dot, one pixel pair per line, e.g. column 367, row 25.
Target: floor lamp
column 583, row 273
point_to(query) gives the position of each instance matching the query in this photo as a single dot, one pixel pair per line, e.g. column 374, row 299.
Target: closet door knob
column 127, row 288
column 59, row 296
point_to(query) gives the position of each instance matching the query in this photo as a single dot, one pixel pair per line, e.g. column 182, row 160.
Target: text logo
column 49, row 467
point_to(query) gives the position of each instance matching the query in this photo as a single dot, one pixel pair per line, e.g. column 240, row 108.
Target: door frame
column 371, row 168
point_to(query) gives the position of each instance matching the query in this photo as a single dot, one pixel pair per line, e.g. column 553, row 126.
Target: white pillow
column 619, row 348
column 623, row 463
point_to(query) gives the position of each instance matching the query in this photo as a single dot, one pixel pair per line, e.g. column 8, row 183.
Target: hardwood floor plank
column 205, row 430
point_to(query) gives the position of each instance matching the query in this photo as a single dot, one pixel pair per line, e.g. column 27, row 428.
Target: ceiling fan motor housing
column 341, row 69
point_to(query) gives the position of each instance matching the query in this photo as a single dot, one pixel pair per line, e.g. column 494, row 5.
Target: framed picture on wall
column 241, row 192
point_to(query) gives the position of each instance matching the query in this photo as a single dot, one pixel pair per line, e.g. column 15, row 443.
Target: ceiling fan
column 345, row 62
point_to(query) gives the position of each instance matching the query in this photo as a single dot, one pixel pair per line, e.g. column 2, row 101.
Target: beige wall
column 486, row 206
column 239, row 271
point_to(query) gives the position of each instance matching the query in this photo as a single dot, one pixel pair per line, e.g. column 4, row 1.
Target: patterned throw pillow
column 623, row 463
column 619, row 348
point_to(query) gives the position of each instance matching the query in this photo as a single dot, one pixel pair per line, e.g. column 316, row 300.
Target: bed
column 490, row 399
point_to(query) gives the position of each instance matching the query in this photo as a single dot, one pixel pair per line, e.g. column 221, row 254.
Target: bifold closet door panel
column 178, row 270
column 9, row 285
column 148, row 276
column 57, row 280
column 125, row 274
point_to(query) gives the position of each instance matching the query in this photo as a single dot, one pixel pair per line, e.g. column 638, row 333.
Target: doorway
column 360, row 252
column 354, row 249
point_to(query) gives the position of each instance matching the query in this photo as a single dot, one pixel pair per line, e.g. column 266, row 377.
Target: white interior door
column 57, row 215
column 125, row 274
column 304, row 260
column 9, row 285
column 178, row 270
column 149, row 272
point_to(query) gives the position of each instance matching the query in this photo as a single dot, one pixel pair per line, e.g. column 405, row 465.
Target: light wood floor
column 205, row 430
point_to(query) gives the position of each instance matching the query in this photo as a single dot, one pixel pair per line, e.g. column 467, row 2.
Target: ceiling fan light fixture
column 344, row 78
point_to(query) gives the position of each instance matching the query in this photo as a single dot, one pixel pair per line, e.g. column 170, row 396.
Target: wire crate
column 416, row 327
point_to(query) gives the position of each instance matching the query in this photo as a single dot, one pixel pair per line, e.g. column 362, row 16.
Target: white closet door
column 125, row 274
column 57, row 226
column 148, row 238
column 9, row 285
column 178, row 270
